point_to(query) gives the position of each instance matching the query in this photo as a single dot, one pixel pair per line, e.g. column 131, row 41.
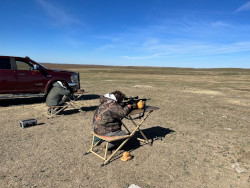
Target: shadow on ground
column 84, row 109
column 89, row 97
column 21, row 101
column 155, row 133
column 152, row 134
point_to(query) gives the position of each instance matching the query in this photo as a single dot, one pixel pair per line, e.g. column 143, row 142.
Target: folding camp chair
column 54, row 110
column 108, row 139
column 126, row 138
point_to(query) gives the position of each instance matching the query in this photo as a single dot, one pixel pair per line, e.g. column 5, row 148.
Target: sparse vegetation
column 204, row 129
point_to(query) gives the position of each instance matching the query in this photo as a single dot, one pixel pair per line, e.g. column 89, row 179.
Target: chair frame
column 71, row 103
column 54, row 110
column 108, row 139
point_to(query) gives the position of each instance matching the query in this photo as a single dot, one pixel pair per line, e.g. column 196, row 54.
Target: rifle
column 136, row 103
column 133, row 101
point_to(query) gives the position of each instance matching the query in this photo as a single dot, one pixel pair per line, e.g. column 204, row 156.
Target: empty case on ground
column 28, row 122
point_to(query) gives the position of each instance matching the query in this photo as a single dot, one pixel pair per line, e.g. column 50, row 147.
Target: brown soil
column 200, row 135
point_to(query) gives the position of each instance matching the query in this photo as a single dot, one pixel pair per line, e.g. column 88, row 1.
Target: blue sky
column 165, row 33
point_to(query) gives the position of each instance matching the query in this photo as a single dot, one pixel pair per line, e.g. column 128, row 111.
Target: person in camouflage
column 108, row 115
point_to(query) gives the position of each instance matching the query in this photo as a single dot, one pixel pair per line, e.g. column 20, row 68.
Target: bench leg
column 106, row 150
column 92, row 144
column 138, row 127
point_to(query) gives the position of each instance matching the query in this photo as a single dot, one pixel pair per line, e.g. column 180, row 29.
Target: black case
column 28, row 123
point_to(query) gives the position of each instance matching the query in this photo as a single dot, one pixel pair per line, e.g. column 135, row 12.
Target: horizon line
column 138, row 66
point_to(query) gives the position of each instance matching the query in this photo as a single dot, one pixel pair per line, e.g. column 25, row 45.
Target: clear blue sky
column 167, row 33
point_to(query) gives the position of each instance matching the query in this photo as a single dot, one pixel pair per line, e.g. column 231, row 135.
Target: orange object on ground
column 126, row 156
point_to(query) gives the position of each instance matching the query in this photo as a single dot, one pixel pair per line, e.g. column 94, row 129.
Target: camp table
column 142, row 114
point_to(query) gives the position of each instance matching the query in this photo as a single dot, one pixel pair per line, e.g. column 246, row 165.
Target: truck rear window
column 5, row 63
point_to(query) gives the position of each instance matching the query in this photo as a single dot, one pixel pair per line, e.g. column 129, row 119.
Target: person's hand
column 129, row 106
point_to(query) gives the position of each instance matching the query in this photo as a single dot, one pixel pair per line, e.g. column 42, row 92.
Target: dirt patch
column 239, row 102
column 110, row 80
column 142, row 86
column 204, row 92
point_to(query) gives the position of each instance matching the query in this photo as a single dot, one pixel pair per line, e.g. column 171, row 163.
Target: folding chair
column 54, row 110
column 108, row 139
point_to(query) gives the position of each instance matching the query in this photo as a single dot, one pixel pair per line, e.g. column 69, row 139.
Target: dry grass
column 200, row 132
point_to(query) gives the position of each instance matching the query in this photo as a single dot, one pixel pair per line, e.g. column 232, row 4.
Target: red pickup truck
column 24, row 76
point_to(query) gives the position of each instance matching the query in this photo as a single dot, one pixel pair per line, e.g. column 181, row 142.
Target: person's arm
column 118, row 111
column 65, row 92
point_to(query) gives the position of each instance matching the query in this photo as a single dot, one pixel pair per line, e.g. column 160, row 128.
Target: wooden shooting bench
column 142, row 114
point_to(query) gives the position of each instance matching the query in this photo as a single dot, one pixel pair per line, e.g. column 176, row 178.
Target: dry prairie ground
column 200, row 134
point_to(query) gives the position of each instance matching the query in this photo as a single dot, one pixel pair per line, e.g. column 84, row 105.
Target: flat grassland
column 200, row 135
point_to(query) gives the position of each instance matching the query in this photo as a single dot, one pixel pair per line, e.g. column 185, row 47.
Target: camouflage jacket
column 108, row 115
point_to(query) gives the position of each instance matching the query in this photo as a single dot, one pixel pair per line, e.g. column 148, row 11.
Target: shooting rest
column 141, row 115
column 108, row 139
